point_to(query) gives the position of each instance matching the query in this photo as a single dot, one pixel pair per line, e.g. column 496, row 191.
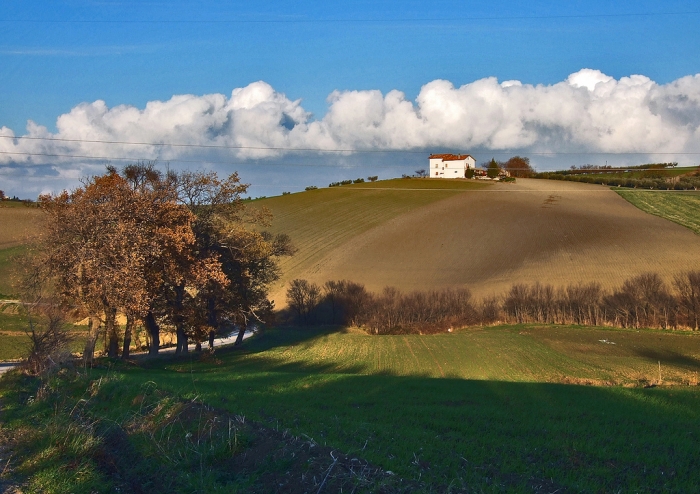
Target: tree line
column 179, row 250
column 652, row 179
column 643, row 301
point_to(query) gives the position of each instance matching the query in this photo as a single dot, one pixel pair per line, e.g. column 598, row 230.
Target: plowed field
column 485, row 238
column 18, row 224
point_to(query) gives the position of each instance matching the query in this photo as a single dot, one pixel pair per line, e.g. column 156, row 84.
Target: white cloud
column 587, row 112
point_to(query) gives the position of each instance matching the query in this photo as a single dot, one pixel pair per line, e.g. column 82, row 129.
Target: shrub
column 48, row 343
column 303, row 298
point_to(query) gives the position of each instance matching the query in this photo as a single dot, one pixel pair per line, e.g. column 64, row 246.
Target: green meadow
column 682, row 207
column 647, row 173
column 7, row 257
column 520, row 408
column 503, row 409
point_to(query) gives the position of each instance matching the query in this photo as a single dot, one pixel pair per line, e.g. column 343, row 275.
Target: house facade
column 450, row 165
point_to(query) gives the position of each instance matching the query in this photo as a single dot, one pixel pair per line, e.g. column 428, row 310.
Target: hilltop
column 421, row 233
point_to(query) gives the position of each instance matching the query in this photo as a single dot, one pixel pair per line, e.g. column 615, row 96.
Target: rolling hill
column 419, row 234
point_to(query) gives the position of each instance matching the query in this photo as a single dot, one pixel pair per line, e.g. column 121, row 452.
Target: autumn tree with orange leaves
column 159, row 249
column 230, row 231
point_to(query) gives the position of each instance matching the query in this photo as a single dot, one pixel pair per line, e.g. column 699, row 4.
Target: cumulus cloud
column 588, row 112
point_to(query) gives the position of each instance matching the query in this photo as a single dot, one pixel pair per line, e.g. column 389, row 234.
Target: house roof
column 450, row 157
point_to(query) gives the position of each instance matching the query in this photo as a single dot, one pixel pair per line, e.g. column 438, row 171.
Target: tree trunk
column 111, row 328
column 239, row 338
column 154, row 333
column 91, row 341
column 181, row 345
column 181, row 339
column 212, row 321
column 212, row 335
column 127, row 336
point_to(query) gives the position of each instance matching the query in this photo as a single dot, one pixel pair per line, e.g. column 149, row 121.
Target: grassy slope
column 18, row 225
column 491, row 422
column 485, row 239
column 7, row 291
column 680, row 207
column 325, row 219
column 666, row 172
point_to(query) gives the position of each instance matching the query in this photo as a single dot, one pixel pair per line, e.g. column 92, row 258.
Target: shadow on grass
column 263, row 341
column 488, row 435
column 670, row 357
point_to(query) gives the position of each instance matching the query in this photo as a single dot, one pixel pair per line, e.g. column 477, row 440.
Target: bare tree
column 688, row 286
column 303, row 297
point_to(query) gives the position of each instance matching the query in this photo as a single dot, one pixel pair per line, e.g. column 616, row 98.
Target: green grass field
column 474, row 404
column 503, row 409
column 479, row 408
column 7, row 256
column 485, row 410
column 14, row 342
column 678, row 206
column 649, row 173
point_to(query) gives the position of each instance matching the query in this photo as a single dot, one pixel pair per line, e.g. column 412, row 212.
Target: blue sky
column 57, row 55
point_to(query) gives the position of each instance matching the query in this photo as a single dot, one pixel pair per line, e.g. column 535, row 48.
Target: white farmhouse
column 450, row 165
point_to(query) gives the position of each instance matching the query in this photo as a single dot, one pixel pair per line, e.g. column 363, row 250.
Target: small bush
column 48, row 344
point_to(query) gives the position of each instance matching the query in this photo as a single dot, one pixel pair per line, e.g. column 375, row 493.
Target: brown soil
column 18, row 225
column 533, row 230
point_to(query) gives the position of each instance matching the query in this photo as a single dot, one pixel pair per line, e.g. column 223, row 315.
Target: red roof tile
column 450, row 157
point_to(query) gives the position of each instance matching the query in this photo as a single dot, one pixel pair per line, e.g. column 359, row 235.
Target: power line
column 314, row 150
column 211, row 146
column 347, row 20
column 205, row 161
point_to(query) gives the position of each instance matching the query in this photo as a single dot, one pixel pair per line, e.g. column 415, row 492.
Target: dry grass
column 485, row 239
column 19, row 224
column 327, row 220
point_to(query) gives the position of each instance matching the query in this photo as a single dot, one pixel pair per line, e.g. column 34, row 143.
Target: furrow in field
column 486, row 240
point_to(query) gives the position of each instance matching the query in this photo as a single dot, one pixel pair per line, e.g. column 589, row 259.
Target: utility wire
column 179, row 160
column 348, row 20
column 315, row 150
column 211, row 146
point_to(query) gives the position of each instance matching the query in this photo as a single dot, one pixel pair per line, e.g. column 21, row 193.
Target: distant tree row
column 3, row 197
column 609, row 168
column 348, row 182
column 642, row 301
column 175, row 249
column 517, row 167
column 652, row 178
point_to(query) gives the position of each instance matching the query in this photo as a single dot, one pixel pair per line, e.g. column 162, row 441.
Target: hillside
column 18, row 225
column 417, row 234
column 477, row 410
